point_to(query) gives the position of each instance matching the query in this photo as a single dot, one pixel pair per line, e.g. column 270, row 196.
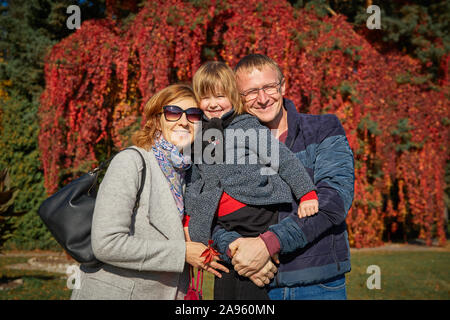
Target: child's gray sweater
column 243, row 175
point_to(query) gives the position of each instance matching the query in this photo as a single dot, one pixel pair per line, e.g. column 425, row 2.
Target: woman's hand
column 186, row 234
column 193, row 253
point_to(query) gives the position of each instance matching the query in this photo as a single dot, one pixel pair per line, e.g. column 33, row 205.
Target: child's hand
column 308, row 208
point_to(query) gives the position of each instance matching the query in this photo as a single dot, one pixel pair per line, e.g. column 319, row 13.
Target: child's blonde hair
column 216, row 77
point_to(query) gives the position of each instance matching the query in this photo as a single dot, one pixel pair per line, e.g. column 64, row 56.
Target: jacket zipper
column 293, row 140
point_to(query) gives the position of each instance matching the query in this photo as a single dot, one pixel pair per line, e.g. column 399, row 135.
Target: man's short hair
column 257, row 61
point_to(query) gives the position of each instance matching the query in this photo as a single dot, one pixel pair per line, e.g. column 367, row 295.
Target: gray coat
column 144, row 255
column 241, row 178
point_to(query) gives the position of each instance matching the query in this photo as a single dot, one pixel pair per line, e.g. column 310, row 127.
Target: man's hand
column 263, row 276
column 249, row 255
column 308, row 208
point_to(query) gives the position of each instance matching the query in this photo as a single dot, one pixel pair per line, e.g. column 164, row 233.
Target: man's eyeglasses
column 173, row 113
column 269, row 89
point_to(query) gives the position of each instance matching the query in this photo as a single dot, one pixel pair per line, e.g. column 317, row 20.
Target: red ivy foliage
column 396, row 121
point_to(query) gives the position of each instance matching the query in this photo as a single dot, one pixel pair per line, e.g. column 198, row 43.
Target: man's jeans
column 330, row 290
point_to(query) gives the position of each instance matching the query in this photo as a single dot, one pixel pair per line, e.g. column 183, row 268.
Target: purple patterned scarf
column 173, row 164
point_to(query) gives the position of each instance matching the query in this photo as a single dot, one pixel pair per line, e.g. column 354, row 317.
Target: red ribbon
column 209, row 253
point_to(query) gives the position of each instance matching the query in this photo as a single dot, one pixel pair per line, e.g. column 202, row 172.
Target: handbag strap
column 103, row 164
column 141, row 187
column 191, row 274
column 199, row 275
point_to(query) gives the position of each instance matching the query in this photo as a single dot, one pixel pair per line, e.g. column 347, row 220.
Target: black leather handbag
column 68, row 213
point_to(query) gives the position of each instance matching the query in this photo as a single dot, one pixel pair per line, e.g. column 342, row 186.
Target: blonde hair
column 145, row 137
column 257, row 61
column 213, row 77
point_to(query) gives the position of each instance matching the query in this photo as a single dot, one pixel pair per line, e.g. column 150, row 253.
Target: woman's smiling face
column 181, row 132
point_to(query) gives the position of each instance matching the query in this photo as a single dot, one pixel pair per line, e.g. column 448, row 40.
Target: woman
column 145, row 255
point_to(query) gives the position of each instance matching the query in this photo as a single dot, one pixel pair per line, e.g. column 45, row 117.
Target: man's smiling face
column 267, row 108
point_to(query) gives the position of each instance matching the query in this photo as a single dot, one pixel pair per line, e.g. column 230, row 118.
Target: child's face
column 215, row 105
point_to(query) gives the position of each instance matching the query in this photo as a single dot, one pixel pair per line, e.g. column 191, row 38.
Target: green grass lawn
column 37, row 285
column 404, row 275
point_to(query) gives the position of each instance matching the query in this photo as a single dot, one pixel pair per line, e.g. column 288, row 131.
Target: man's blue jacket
column 313, row 249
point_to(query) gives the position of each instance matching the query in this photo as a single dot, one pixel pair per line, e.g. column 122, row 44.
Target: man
column 313, row 252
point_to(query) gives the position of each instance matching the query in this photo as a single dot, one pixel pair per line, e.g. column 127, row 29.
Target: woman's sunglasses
column 174, row 113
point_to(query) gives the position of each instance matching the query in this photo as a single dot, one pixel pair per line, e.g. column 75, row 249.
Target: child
column 233, row 196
